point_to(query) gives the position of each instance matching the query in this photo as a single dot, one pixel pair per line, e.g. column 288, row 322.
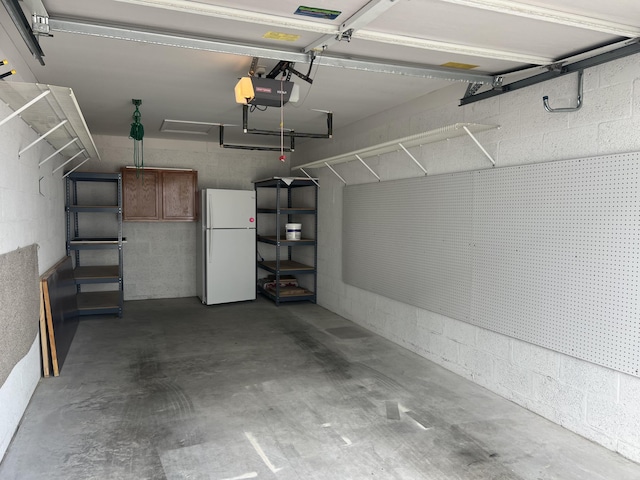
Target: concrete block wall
column 593, row 401
column 160, row 257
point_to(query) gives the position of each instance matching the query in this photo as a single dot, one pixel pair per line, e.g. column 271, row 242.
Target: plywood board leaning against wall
column 61, row 313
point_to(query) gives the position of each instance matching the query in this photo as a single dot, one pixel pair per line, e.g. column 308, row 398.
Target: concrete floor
column 176, row 390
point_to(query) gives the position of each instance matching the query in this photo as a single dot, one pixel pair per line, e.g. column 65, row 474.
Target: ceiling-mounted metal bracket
column 556, row 67
column 286, row 68
column 40, row 25
column 472, row 88
column 261, row 148
column 631, row 47
column 22, row 24
column 290, row 133
column 254, row 66
column 545, row 99
column 345, row 36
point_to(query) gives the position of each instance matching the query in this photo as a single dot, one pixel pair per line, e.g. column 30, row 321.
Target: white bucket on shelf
column 294, row 231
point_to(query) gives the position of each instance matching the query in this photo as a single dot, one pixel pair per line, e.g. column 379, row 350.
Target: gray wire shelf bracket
column 404, row 144
column 54, row 114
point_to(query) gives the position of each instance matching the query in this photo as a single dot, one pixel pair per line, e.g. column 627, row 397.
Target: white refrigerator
column 226, row 246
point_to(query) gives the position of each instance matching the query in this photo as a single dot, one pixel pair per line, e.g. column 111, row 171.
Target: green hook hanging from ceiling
column 137, row 133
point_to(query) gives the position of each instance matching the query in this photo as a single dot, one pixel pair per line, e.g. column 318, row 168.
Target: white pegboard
column 410, row 240
column 547, row 253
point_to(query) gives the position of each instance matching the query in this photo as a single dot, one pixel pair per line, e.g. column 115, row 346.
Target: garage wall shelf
column 292, row 257
column 54, row 114
column 404, row 143
column 81, row 239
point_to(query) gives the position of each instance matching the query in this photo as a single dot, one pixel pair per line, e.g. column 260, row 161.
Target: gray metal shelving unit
column 95, row 302
column 284, row 263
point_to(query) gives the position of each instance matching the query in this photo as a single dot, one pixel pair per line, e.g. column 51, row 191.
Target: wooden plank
column 286, row 265
column 97, row 272
column 52, row 337
column 286, row 291
column 43, row 337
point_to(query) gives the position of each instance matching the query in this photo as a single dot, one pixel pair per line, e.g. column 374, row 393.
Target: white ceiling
column 188, row 84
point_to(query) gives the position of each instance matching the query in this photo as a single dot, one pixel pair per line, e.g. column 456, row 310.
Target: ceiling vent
column 187, row 126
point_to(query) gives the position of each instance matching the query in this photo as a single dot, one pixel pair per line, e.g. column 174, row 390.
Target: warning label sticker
column 287, row 37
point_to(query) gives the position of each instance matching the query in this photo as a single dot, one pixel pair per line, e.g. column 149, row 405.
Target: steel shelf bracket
column 493, row 162
column 68, row 161
column 73, row 140
column 76, row 167
column 42, row 137
column 25, row 106
column 414, row 158
column 545, row 99
column 310, row 177
column 368, row 167
column 335, row 173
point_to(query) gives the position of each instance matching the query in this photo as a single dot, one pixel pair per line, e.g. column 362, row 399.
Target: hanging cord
column 137, row 133
column 282, row 155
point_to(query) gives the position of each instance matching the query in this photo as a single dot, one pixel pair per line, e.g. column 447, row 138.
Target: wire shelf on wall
column 54, row 114
column 404, row 143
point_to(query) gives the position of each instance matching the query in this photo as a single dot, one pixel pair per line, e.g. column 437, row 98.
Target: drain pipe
column 545, row 99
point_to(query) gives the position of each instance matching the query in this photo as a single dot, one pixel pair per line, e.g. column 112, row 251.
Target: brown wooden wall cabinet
column 156, row 195
column 141, row 195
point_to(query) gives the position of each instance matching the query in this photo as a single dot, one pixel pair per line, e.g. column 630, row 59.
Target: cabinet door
column 179, row 195
column 141, row 195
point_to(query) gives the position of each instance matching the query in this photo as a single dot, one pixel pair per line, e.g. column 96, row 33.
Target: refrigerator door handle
column 210, row 242
column 209, row 212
